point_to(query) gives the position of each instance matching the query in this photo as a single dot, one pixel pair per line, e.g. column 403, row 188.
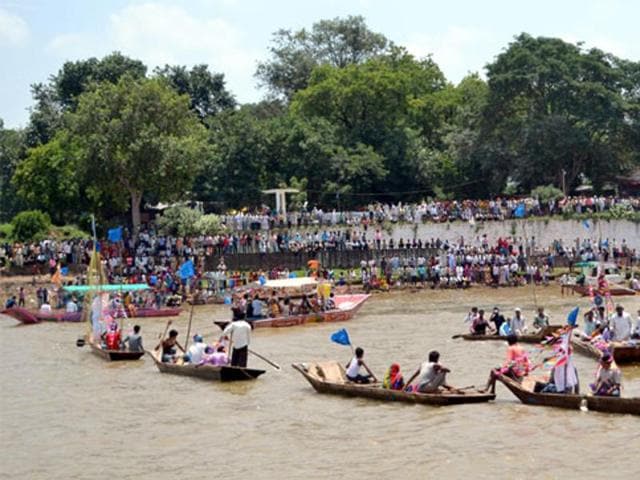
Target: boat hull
column 114, row 355
column 532, row 338
column 207, row 372
column 570, row 401
column 347, row 307
column 622, row 354
column 30, row 317
column 615, row 291
column 376, row 392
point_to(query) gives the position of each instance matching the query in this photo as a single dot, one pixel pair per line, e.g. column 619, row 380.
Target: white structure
column 281, row 198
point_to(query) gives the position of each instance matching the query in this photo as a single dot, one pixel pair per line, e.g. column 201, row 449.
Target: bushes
column 185, row 221
column 546, row 193
column 30, row 225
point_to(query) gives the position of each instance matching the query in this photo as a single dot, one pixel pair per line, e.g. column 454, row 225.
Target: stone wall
column 545, row 231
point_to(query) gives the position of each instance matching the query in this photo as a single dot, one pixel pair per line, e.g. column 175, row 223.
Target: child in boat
column 393, row 379
column 353, row 369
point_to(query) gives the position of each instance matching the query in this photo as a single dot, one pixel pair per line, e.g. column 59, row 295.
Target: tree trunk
column 136, row 198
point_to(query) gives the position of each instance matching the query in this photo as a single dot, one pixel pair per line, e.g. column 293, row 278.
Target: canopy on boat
column 291, row 282
column 124, row 287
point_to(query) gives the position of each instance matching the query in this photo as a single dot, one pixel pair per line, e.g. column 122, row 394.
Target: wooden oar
column 186, row 342
column 273, row 364
column 459, row 335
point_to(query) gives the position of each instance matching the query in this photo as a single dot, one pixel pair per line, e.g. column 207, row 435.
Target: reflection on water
column 67, row 414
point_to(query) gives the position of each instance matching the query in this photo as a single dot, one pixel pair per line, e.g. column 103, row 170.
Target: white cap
column 517, row 309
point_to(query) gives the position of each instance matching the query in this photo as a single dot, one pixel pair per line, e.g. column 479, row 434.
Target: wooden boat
column 346, row 307
column 614, row 290
column 330, row 377
column 29, row 317
column 622, row 353
column 524, row 392
column 206, row 372
column 113, row 355
column 527, row 338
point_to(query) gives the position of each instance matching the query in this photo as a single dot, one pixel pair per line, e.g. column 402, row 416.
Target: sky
column 232, row 36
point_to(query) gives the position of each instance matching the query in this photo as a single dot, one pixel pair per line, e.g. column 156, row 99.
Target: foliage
column 68, row 232
column 184, row 221
column 6, row 231
column 12, row 147
column 30, row 225
column 338, row 42
column 137, row 137
column 47, row 179
column 547, row 193
column 205, row 89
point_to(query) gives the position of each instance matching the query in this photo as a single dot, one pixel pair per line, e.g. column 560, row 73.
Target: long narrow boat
column 614, row 290
column 329, row 377
column 346, row 307
column 30, row 317
column 525, row 394
column 206, row 372
column 622, row 353
column 527, row 338
column 113, row 355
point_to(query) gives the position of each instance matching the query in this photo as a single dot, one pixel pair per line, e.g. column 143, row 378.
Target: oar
column 459, row 335
column 186, row 342
column 273, row 364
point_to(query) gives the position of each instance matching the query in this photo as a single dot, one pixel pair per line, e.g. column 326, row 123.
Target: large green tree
column 207, row 90
column 137, row 137
column 338, row 42
column 12, row 148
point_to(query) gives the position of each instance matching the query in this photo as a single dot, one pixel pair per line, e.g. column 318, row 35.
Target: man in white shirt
column 431, row 375
column 45, row 307
column 239, row 334
column 518, row 323
column 196, row 350
column 620, row 324
column 72, row 306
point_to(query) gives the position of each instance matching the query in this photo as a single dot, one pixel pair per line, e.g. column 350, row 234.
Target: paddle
column 273, row 364
column 186, row 344
column 459, row 335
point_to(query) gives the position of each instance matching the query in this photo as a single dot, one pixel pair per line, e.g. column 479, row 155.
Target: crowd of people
column 426, row 211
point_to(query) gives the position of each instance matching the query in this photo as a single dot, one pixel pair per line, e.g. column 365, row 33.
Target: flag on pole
column 341, row 337
column 187, row 270
column 572, row 318
column 115, row 235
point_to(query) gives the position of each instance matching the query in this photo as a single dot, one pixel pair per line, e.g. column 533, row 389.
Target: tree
column 338, row 42
column 207, row 90
column 12, row 148
column 47, row 178
column 45, row 117
column 30, row 225
column 135, row 137
column 553, row 106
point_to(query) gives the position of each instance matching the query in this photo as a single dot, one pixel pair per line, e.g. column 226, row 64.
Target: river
column 67, row 414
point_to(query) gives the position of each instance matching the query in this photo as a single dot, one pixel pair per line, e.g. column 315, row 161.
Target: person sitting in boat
column 257, row 308
column 196, row 350
column 134, row 341
column 563, row 378
column 112, row 338
column 480, row 324
column 635, row 284
column 516, row 365
column 589, row 325
column 305, row 306
column 608, row 378
column 636, row 330
column 620, row 325
column 431, row 376
column 169, row 345
column 72, row 306
column 45, row 307
column 11, row 302
column 541, row 320
column 471, row 315
column 331, row 302
column 393, row 379
column 497, row 319
column 518, row 323
column 354, row 366
column 275, row 310
column 215, row 356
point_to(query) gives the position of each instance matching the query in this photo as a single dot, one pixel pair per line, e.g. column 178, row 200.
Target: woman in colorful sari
column 393, row 378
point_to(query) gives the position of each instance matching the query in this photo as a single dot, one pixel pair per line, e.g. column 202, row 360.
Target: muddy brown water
column 67, row 414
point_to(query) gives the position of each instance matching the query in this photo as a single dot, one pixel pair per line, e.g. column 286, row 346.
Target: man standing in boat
column 620, row 324
column 239, row 334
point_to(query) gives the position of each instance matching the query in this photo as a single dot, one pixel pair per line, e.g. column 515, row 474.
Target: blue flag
column 187, row 270
column 64, row 271
column 572, row 318
column 341, row 337
column 519, row 211
column 115, row 234
column 586, row 224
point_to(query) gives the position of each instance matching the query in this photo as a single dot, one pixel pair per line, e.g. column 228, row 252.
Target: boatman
column 353, row 369
column 239, row 334
column 431, row 375
column 134, row 341
column 541, row 320
column 620, row 324
column 518, row 323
